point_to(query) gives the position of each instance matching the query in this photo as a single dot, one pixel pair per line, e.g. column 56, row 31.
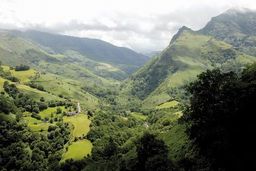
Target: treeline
column 22, row 68
column 7, row 75
column 25, row 103
column 36, row 86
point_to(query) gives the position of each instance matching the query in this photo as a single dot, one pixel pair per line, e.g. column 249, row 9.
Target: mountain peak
column 231, row 22
column 238, row 10
column 180, row 31
column 183, row 28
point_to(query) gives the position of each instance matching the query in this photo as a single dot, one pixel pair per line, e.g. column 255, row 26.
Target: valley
column 70, row 103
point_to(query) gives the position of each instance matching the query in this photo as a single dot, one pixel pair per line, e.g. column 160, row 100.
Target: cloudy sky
column 143, row 25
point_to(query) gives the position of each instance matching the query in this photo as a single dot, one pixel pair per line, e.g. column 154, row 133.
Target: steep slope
column 55, row 70
column 97, row 50
column 235, row 26
column 54, row 87
column 24, row 78
column 188, row 54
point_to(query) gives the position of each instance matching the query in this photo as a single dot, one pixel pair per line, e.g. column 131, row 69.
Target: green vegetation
column 214, row 121
column 138, row 116
column 78, row 150
column 99, row 59
column 189, row 108
column 35, row 125
column 152, row 154
column 170, row 104
column 36, row 94
column 25, row 150
column 67, row 88
column 51, row 112
column 80, row 124
column 235, row 27
column 187, row 56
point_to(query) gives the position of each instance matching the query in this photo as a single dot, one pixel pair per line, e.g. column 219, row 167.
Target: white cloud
column 142, row 25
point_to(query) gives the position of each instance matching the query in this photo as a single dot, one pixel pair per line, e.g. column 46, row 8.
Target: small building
column 78, row 110
column 71, row 113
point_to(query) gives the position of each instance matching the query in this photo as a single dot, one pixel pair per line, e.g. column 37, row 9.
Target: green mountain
column 98, row 57
column 94, row 49
column 188, row 54
column 235, row 26
column 58, row 73
column 68, row 108
column 89, row 68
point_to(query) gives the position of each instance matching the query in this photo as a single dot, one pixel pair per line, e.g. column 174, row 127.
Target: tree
column 59, row 110
column 11, row 89
column 42, row 99
column 42, row 106
column 6, row 105
column 22, row 68
column 111, row 148
column 152, row 154
column 221, row 118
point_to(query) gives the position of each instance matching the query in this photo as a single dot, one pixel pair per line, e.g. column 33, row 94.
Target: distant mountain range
column 228, row 41
column 101, row 58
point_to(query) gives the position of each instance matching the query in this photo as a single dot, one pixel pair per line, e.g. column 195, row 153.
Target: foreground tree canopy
column 221, row 118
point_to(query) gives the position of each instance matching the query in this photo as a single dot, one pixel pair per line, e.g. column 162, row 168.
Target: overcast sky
column 143, row 25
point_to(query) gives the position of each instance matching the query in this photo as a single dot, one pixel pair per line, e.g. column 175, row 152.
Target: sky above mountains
column 143, row 25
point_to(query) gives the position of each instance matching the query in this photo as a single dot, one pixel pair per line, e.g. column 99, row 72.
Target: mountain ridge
column 94, row 49
column 188, row 54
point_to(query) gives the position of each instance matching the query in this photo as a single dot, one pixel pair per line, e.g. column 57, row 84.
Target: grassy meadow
column 80, row 124
column 78, row 150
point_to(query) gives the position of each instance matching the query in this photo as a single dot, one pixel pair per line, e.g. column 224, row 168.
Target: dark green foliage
column 36, row 86
column 22, row 150
column 8, row 76
column 113, row 137
column 6, row 104
column 148, row 78
column 42, row 99
column 90, row 113
column 66, row 103
column 36, row 116
column 110, row 149
column 221, row 118
column 42, row 106
column 12, row 78
column 11, row 89
column 72, row 165
column 152, row 154
column 22, row 68
column 59, row 111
